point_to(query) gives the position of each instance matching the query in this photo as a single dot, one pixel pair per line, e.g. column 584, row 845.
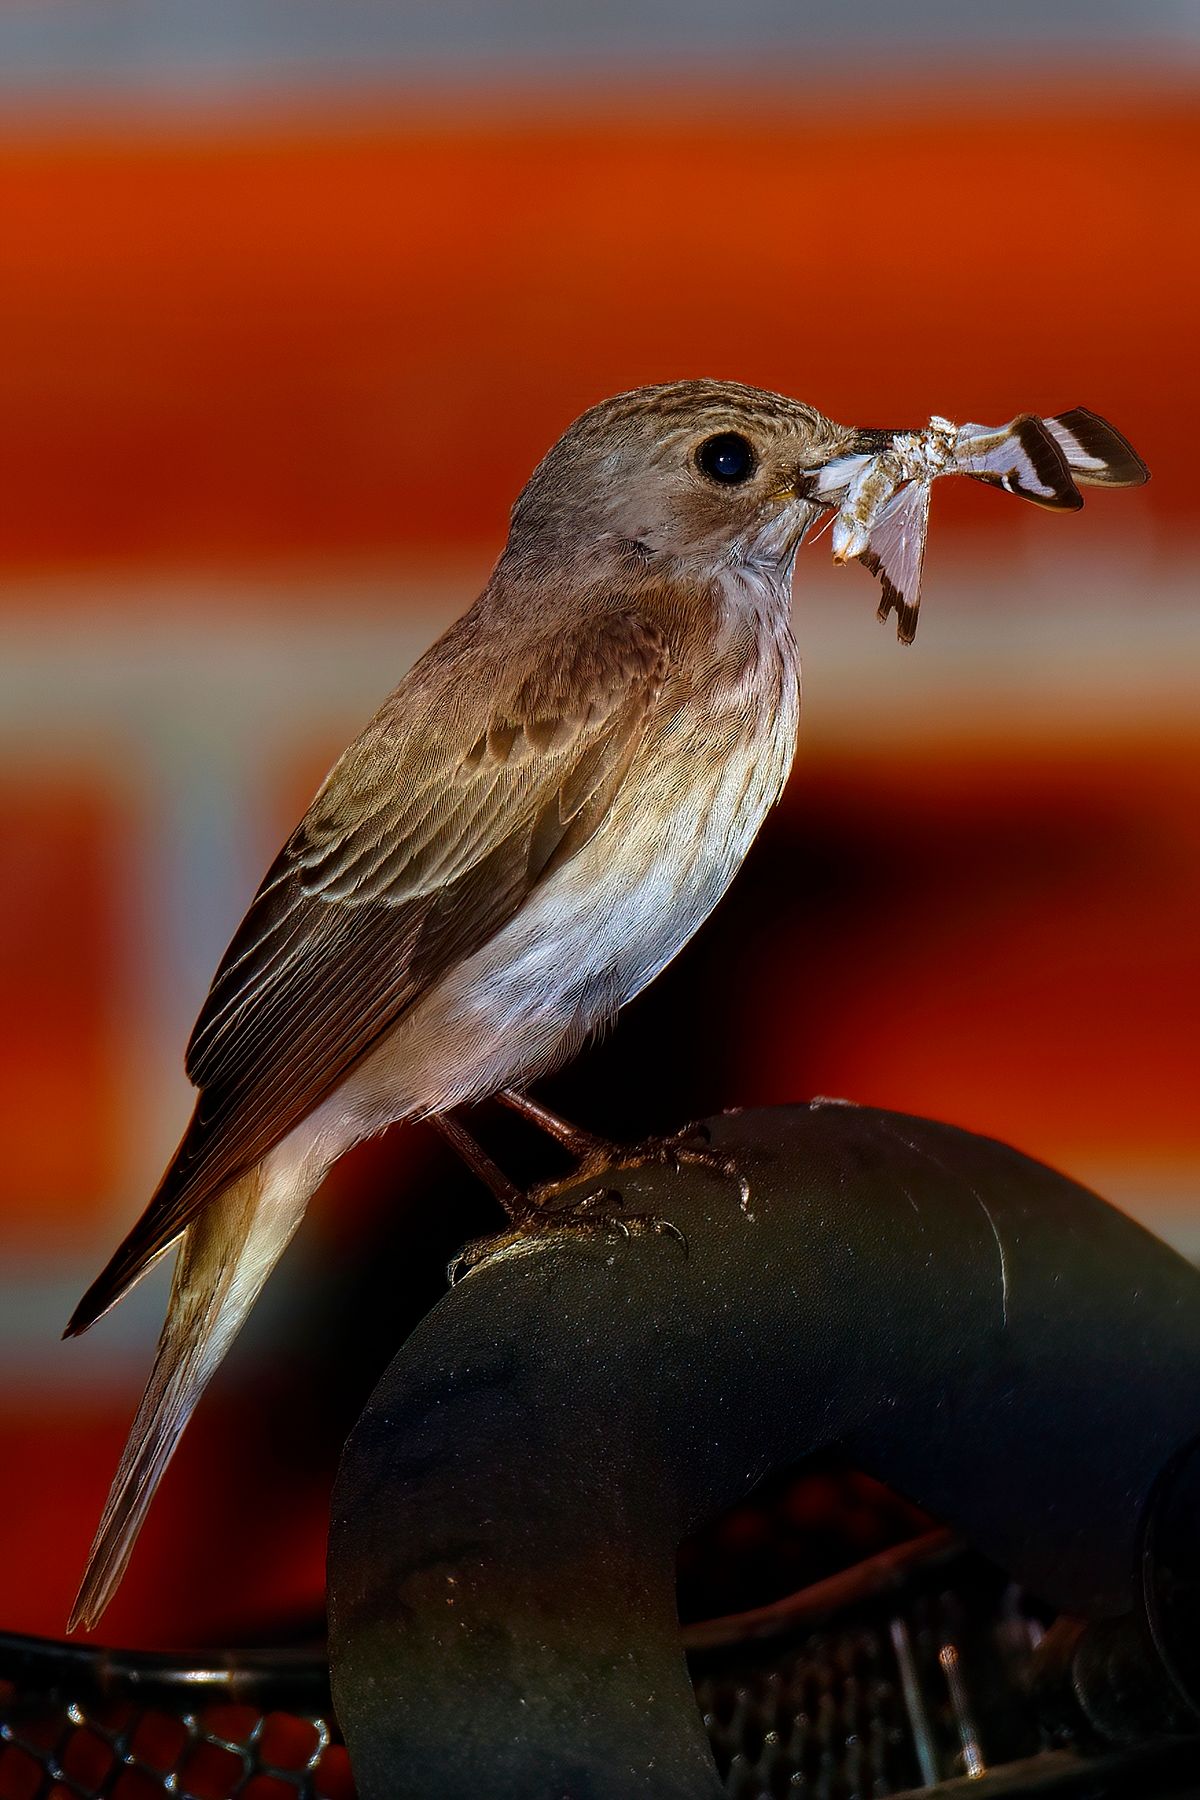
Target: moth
column 881, row 488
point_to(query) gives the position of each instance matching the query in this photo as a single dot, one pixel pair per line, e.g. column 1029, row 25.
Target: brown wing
column 426, row 838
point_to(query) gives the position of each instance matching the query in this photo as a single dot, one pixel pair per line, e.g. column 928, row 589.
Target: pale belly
column 587, row 940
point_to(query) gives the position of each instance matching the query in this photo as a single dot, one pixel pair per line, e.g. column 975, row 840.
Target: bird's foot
column 557, row 1208
column 596, row 1156
column 599, row 1213
column 689, row 1148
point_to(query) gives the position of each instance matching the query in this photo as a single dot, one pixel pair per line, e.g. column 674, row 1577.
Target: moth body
column 905, row 456
column 881, row 488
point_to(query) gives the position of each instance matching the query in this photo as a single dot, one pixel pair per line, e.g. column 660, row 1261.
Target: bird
column 533, row 824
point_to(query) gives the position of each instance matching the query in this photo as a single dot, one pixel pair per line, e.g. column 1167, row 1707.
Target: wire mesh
column 899, row 1689
column 880, row 1708
column 129, row 1751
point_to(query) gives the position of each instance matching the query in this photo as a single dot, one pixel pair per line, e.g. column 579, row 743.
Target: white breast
column 594, row 934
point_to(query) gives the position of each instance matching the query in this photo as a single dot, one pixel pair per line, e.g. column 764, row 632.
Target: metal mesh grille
column 898, row 1690
column 921, row 1694
column 132, row 1752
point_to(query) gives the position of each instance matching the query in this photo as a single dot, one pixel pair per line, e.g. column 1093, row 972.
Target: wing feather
column 426, row 838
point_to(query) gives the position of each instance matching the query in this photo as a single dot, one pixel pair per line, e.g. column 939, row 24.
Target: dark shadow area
column 797, row 1526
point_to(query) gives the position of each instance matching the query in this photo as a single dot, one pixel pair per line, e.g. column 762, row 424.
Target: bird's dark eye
column 728, row 458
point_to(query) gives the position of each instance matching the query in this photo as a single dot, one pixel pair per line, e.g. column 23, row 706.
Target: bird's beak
column 849, row 447
column 826, row 484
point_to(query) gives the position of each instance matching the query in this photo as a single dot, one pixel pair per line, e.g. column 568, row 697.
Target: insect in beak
column 879, row 491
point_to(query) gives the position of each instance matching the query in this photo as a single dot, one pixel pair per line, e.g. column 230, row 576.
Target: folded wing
column 427, row 837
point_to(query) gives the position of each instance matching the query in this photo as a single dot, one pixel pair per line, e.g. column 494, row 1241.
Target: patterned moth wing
column 1039, row 460
column 897, row 554
column 1024, row 458
column 1095, row 452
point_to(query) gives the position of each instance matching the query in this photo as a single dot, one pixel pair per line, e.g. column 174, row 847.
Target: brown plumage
column 535, row 821
column 403, row 865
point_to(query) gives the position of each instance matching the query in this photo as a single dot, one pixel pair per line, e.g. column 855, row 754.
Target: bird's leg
column 523, row 1217
column 480, row 1163
column 528, row 1216
column 597, row 1156
column 582, row 1144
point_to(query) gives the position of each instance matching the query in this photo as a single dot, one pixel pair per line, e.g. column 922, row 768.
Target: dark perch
column 981, row 1333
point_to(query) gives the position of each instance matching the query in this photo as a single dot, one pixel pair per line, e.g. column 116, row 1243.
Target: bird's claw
column 598, row 1213
column 674, row 1152
column 555, row 1208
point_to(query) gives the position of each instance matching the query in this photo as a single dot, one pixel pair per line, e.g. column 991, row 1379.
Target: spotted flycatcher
column 529, row 829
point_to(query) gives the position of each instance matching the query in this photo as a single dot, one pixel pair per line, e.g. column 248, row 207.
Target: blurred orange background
column 277, row 356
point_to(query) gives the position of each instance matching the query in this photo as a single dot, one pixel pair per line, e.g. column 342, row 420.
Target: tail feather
column 225, row 1257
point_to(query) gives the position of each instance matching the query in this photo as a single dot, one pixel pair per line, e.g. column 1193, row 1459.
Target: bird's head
column 695, row 474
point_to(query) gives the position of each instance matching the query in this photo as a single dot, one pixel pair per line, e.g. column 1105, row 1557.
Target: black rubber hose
column 976, row 1330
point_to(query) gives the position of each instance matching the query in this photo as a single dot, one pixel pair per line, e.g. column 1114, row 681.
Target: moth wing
column 896, row 554
column 829, row 482
column 1024, row 458
column 1095, row 451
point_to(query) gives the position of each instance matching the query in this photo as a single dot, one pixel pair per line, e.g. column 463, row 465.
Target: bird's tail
column 224, row 1258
